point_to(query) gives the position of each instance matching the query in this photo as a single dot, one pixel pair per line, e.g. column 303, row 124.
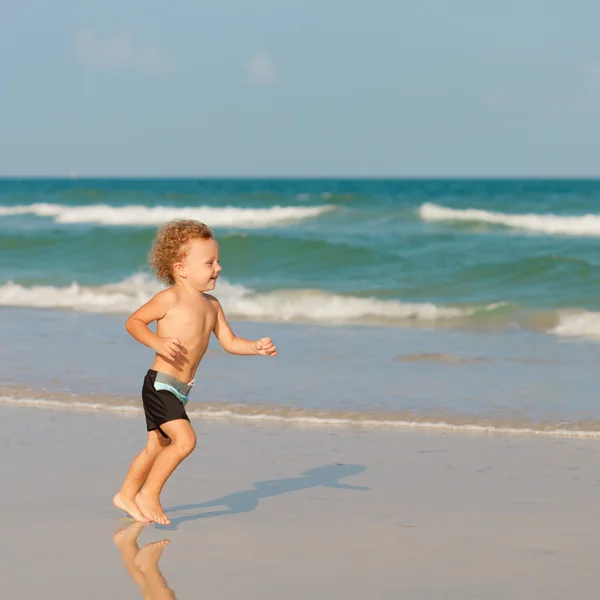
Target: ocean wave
column 288, row 415
column 577, row 324
column 139, row 215
column 584, row 225
column 121, row 297
column 304, row 305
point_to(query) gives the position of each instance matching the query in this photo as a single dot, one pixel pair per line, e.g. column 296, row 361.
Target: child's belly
column 187, row 361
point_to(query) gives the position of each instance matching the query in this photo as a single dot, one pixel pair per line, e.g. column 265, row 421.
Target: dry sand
column 282, row 512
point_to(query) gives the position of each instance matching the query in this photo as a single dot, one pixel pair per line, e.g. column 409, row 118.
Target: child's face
column 200, row 268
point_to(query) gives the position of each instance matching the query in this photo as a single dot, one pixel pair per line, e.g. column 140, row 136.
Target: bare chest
column 188, row 321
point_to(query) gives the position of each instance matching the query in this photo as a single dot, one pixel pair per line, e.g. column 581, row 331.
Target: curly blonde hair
column 171, row 245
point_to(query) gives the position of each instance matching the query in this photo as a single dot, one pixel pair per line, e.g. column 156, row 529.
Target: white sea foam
column 578, row 324
column 226, row 216
column 301, row 305
column 238, row 302
column 354, row 419
column 584, row 225
column 121, row 297
column 317, row 305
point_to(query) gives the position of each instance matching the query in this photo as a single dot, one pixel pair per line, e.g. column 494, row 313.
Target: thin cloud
column 261, row 70
column 117, row 53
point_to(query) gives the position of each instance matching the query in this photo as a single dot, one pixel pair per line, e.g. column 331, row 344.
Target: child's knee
column 157, row 443
column 186, row 443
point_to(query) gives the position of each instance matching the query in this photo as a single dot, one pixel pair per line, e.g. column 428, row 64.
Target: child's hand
column 169, row 348
column 266, row 347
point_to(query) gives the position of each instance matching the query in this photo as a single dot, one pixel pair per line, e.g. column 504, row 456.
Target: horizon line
column 306, row 177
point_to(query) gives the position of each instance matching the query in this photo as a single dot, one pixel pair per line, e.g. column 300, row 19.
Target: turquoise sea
column 446, row 279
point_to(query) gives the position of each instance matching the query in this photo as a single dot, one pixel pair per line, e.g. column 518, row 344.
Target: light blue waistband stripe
column 165, row 386
column 173, row 385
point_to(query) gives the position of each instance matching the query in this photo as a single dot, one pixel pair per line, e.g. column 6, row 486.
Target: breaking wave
column 306, row 306
column 577, row 324
column 584, row 225
column 238, row 301
column 226, row 216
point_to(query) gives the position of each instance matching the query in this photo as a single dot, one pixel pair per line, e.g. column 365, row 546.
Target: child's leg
column 137, row 474
column 184, row 441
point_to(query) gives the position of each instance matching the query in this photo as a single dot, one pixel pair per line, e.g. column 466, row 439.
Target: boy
column 186, row 256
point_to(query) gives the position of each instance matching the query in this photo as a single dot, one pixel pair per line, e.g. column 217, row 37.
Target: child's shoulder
column 165, row 297
column 211, row 299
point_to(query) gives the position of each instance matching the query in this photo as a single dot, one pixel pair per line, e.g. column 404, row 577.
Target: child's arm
column 153, row 310
column 237, row 345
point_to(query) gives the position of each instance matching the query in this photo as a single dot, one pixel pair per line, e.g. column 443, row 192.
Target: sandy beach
column 281, row 511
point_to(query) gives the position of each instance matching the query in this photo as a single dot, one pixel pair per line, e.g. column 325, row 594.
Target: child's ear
column 179, row 269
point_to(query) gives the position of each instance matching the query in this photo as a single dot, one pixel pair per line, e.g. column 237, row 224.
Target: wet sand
column 278, row 511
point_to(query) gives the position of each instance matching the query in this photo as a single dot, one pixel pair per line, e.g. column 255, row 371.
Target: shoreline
column 293, row 417
column 346, row 377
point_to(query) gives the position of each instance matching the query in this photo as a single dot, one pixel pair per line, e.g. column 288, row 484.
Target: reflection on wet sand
column 142, row 564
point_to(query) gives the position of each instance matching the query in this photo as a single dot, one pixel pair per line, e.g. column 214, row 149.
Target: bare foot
column 151, row 509
column 128, row 534
column 130, row 507
column 148, row 557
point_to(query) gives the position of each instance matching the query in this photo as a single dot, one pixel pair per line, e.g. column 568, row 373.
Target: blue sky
column 311, row 88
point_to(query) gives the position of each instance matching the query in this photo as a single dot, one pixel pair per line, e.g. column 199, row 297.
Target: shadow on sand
column 247, row 500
